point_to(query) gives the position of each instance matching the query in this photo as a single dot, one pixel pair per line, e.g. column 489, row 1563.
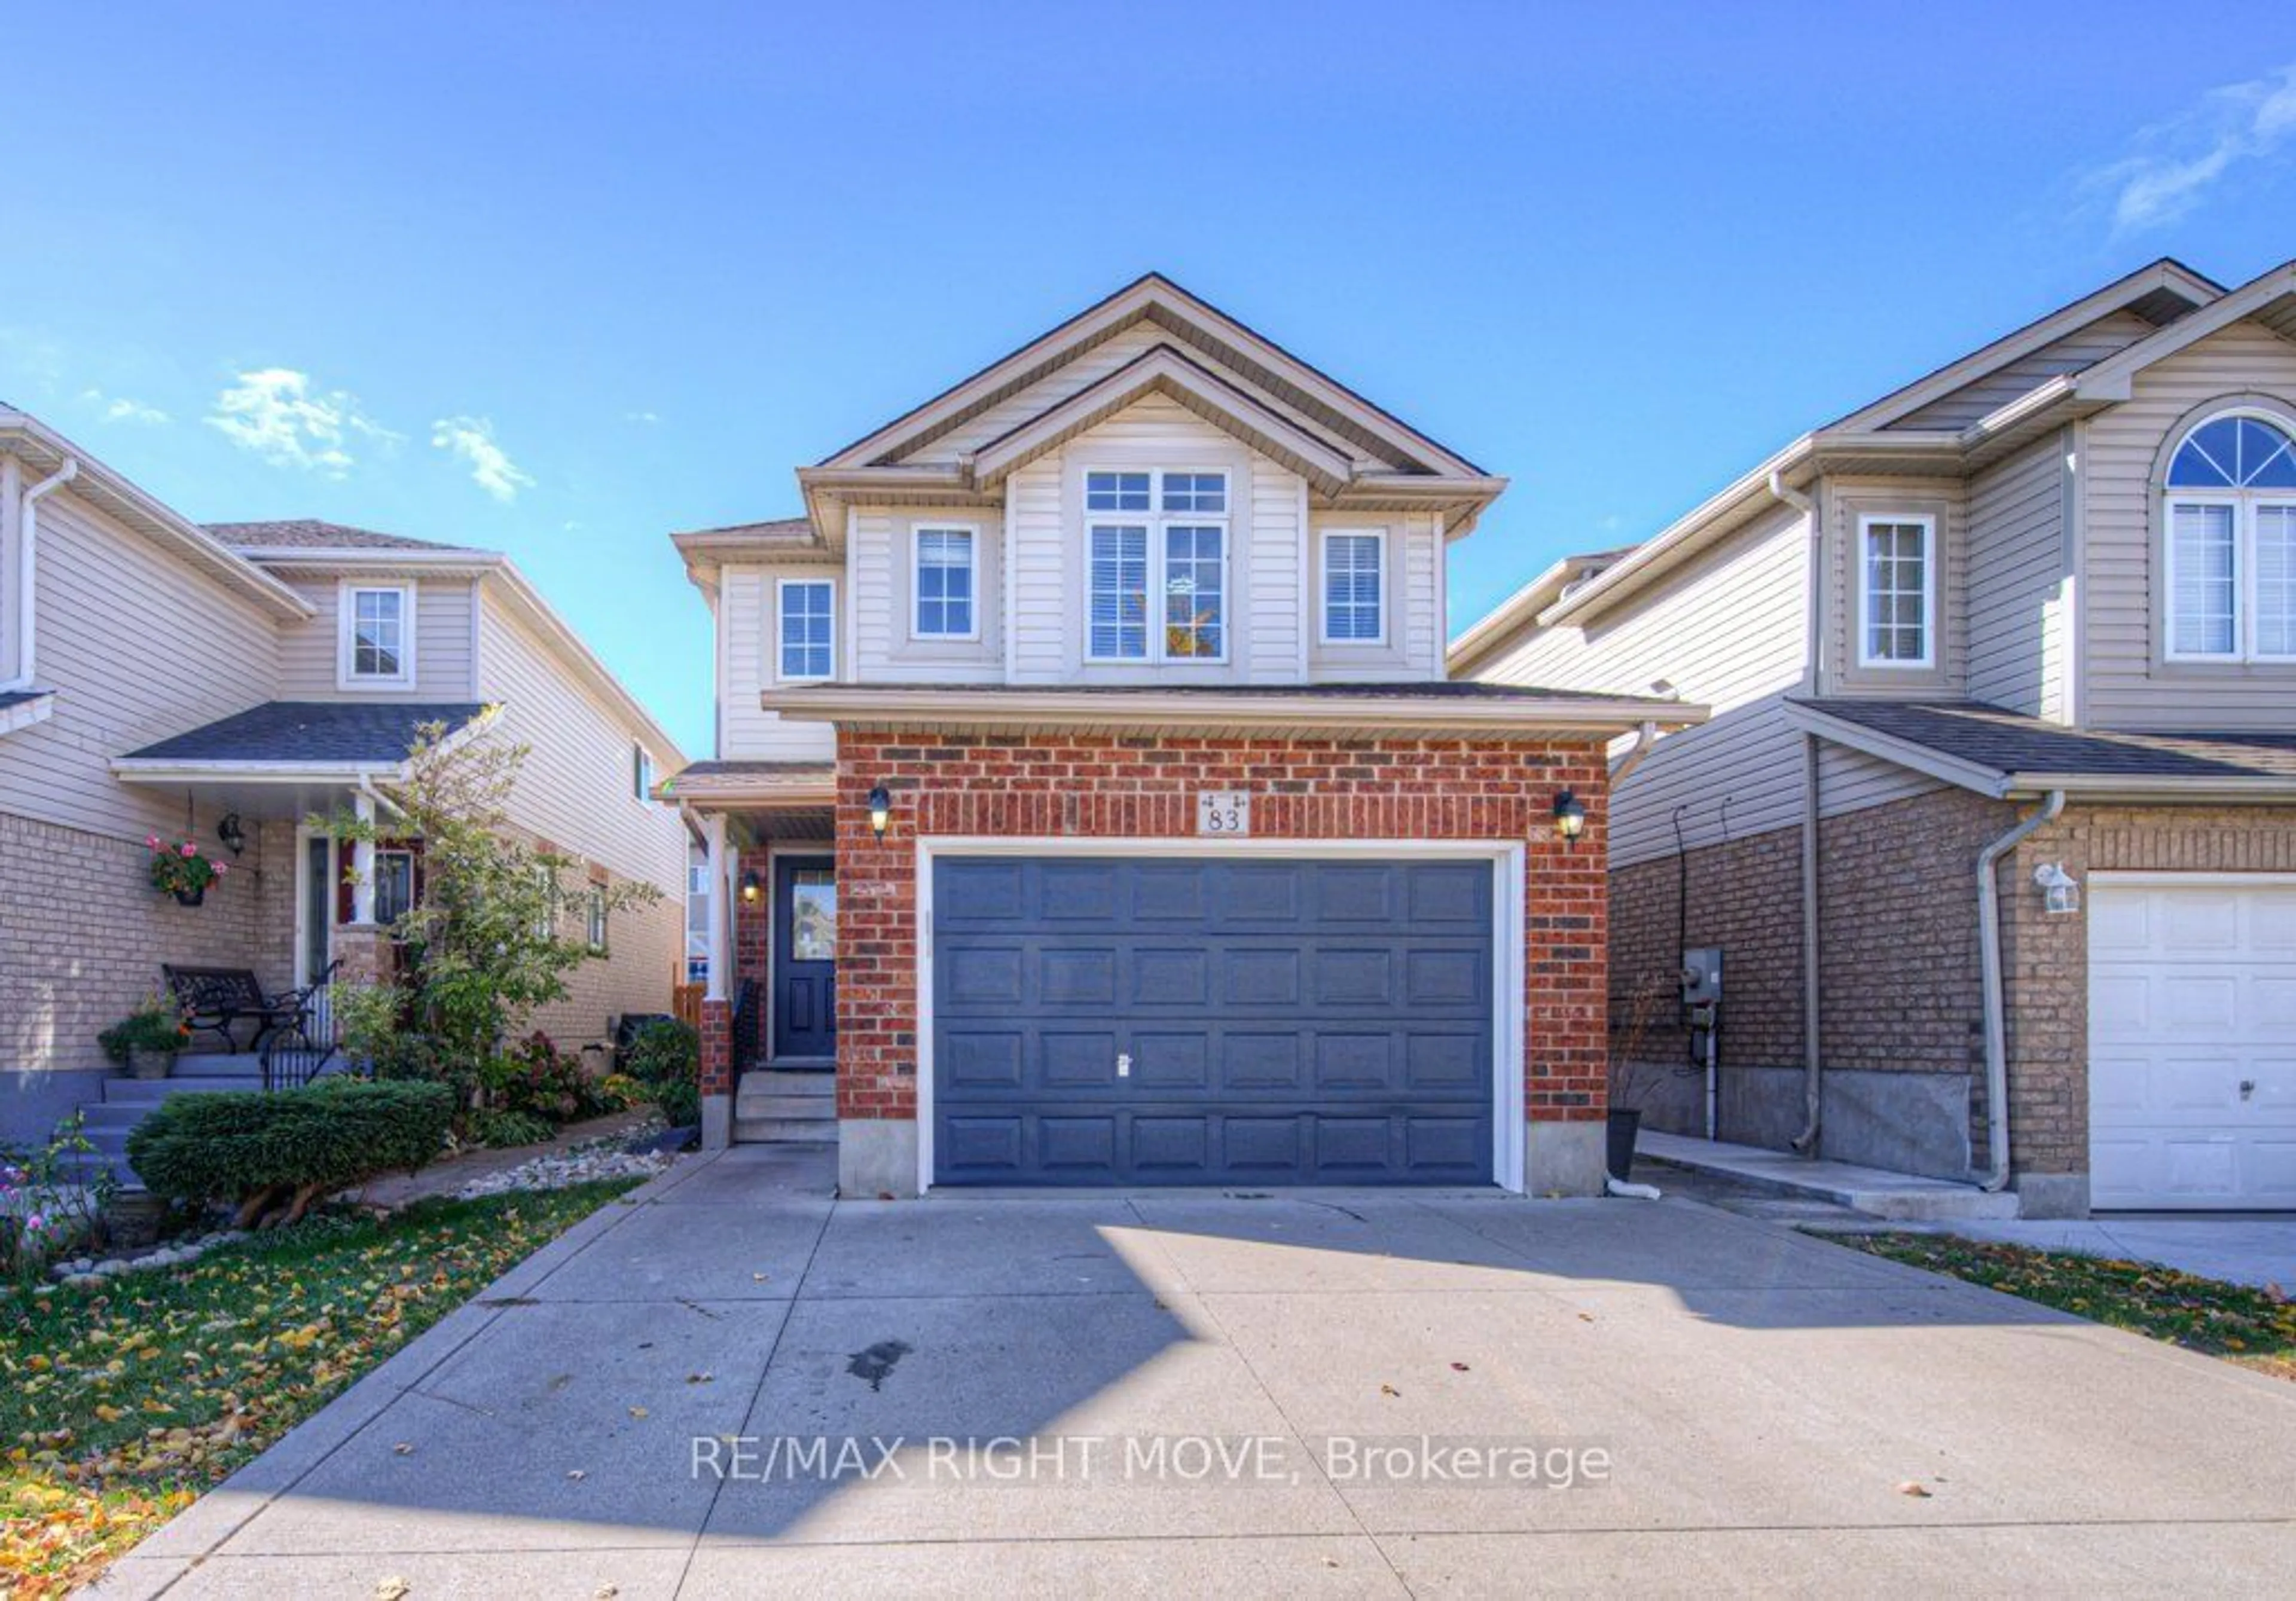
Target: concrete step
column 784, row 1131
column 1901, row 1197
column 750, row 1104
column 216, row 1064
column 79, row 1169
column 777, row 1081
column 151, row 1092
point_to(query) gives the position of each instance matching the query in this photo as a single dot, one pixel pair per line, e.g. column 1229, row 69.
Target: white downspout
column 1631, row 757
column 1997, row 1025
column 28, row 540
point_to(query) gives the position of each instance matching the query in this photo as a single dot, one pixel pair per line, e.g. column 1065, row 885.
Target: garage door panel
column 1289, row 1021
column 2192, row 1046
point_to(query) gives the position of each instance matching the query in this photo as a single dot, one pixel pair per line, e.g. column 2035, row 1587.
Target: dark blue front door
column 1217, row 1021
column 805, row 957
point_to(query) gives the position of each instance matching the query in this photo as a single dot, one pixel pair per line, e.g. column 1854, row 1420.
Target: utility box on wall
column 1701, row 976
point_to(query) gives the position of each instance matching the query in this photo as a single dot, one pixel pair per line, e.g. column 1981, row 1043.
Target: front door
column 805, row 958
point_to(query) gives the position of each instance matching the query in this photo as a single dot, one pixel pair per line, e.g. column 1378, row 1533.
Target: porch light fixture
column 880, row 810
column 2059, row 890
column 233, row 835
column 749, row 885
column 1570, row 817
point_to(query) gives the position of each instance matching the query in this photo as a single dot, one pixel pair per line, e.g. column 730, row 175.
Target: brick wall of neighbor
column 646, row 952
column 1744, row 896
column 1080, row 785
column 82, row 933
column 2046, row 957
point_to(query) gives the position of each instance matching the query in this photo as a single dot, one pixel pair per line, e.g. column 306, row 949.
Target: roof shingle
column 2006, row 741
column 312, row 731
column 309, row 533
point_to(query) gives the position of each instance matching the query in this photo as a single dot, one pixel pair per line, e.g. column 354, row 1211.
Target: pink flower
column 153, row 842
column 190, row 849
column 220, row 869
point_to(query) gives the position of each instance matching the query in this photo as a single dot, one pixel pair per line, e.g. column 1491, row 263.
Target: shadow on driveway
column 1760, row 1398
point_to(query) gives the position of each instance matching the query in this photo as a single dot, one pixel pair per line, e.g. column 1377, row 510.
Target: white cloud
column 641, row 416
column 470, row 440
column 276, row 413
column 120, row 408
column 2175, row 163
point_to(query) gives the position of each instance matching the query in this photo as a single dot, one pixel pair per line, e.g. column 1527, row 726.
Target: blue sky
column 558, row 279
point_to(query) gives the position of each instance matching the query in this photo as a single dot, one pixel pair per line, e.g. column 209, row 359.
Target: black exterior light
column 880, row 810
column 231, row 834
column 749, row 885
column 1570, row 817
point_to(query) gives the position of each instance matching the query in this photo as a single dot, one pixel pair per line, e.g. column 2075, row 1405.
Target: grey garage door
column 1170, row 1020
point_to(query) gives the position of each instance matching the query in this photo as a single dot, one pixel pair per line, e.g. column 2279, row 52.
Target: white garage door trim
column 2103, row 886
column 1507, row 906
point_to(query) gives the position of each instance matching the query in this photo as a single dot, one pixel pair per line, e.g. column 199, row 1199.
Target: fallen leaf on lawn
column 1915, row 1488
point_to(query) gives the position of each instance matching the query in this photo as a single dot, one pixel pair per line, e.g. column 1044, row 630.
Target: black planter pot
column 191, row 897
column 1623, row 1127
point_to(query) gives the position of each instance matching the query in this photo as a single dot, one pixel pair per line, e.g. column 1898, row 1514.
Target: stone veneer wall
column 1063, row 785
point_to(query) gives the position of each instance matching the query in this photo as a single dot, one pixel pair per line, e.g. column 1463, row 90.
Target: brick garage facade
column 1084, row 786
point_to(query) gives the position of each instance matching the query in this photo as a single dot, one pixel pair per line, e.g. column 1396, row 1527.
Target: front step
column 1899, row 1197
column 784, row 1131
column 785, row 1081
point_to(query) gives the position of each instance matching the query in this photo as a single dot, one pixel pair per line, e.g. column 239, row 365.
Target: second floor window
column 375, row 646
column 809, row 636
column 1354, row 576
column 945, row 584
column 1156, row 566
column 2231, row 554
column 1897, row 591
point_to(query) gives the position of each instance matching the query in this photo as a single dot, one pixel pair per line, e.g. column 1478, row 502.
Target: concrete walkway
column 1738, row 1408
column 2239, row 1249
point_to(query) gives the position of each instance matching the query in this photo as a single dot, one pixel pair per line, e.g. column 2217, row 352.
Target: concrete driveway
column 1229, row 1393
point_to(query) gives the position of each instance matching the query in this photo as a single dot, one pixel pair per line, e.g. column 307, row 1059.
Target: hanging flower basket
column 178, row 869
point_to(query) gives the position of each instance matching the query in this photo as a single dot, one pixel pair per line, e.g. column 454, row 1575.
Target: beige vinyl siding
column 1412, row 598
column 1850, row 781
column 309, row 652
column 1728, row 634
column 1272, row 542
column 747, row 617
column 1040, row 573
column 881, row 557
column 2020, row 628
column 2106, row 336
column 1843, row 501
column 138, row 646
column 1040, row 397
column 2128, row 684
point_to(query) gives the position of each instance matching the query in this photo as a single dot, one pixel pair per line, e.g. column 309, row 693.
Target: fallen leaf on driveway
column 639, row 1412
column 1389, row 1390
column 1914, row 1488
column 391, row 1588
column 577, row 1474
column 402, row 1450
column 1460, row 1367
column 699, row 1378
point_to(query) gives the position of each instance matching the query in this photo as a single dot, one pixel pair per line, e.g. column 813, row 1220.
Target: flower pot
column 1623, row 1127
column 150, row 1064
column 191, row 897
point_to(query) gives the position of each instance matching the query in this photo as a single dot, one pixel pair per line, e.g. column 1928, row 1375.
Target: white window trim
column 347, row 593
column 917, row 531
column 596, row 925
column 1157, row 520
column 1324, row 586
column 780, row 615
column 1927, row 660
column 2243, row 612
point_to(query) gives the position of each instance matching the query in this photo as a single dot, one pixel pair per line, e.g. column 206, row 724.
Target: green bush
column 537, row 1080
column 499, row 1129
column 666, row 1057
column 260, row 1150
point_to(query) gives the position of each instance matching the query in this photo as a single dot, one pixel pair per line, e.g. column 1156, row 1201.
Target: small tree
column 485, row 943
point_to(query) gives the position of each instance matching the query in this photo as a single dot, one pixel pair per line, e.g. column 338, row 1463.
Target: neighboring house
column 1094, row 801
column 162, row 678
column 2037, row 610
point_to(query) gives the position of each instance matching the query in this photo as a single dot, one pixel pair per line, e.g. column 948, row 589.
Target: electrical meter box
column 1701, row 976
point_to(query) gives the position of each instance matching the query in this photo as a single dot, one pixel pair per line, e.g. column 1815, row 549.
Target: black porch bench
column 211, row 1000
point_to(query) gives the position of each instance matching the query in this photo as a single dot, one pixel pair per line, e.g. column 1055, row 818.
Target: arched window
column 2232, row 542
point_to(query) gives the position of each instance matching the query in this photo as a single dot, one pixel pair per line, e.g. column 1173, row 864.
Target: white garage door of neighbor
column 2192, row 1044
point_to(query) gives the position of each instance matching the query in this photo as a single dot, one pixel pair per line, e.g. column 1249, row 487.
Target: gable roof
column 1351, row 451
column 309, row 533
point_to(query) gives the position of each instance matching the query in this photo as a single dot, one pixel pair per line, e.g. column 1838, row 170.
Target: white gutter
column 28, row 544
column 847, row 703
column 1997, row 1025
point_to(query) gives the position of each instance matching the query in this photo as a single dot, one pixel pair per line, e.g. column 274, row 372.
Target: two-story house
column 1091, row 807
column 221, row 686
column 1994, row 829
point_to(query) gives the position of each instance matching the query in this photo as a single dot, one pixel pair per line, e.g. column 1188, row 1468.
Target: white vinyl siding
column 2130, row 680
column 1897, row 595
column 313, row 658
column 2107, row 336
column 746, row 618
column 1354, row 586
column 2020, row 636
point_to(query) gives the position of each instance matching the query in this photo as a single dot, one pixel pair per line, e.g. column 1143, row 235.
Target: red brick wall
column 1092, row 786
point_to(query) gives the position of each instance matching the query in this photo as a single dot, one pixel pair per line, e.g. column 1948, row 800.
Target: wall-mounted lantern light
column 751, row 888
column 2059, row 890
column 1570, row 817
column 880, row 810
column 232, row 834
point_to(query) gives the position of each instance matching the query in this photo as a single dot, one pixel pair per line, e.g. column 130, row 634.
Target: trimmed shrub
column 666, row 1057
column 261, row 1152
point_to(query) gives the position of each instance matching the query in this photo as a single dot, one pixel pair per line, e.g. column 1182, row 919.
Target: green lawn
column 122, row 1404
column 2253, row 1328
